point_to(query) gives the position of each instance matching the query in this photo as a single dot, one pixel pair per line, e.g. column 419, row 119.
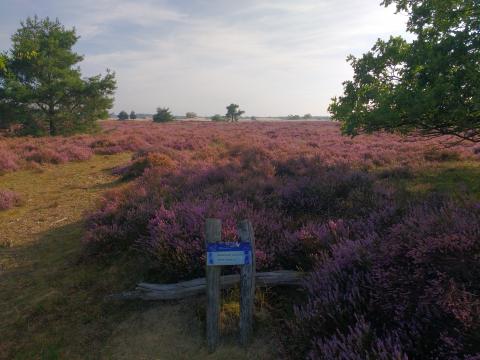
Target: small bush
column 9, row 199
column 8, row 160
column 46, row 156
column 140, row 164
column 217, row 118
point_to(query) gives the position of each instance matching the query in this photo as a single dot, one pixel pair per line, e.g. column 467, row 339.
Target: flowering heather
column 408, row 288
column 9, row 199
column 163, row 214
column 207, row 142
column 389, row 277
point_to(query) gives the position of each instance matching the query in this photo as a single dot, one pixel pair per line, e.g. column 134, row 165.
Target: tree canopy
column 41, row 87
column 429, row 85
column 133, row 115
column 163, row 115
column 234, row 112
column 122, row 115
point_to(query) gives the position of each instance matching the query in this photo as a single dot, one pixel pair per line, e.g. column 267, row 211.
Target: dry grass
column 174, row 332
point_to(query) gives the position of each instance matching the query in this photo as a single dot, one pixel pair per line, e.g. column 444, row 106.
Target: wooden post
column 247, row 284
column 213, row 234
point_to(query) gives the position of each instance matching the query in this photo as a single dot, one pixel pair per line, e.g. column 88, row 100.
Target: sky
column 272, row 57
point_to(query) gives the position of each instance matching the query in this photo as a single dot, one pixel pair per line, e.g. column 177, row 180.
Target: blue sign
column 229, row 253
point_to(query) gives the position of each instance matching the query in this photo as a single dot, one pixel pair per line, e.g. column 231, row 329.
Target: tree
column 163, row 115
column 133, row 116
column 293, row 117
column 218, row 117
column 307, row 116
column 122, row 115
column 233, row 112
column 190, row 115
column 428, row 85
column 41, row 87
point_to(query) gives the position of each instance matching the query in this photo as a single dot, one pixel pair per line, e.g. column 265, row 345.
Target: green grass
column 50, row 305
column 459, row 179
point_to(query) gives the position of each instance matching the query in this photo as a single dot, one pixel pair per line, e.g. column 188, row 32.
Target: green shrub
column 218, row 117
column 163, row 115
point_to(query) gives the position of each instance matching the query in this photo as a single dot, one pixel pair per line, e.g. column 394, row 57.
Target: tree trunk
column 53, row 130
column 51, row 119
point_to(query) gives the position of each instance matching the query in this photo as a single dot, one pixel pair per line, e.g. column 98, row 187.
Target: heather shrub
column 147, row 161
column 408, row 288
column 193, row 142
column 8, row 160
column 9, row 199
column 316, row 190
column 177, row 241
column 46, row 156
column 163, row 214
column 121, row 219
column 441, row 155
column 75, row 152
column 387, row 281
column 105, row 146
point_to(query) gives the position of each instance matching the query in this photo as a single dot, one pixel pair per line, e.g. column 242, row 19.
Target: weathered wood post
column 247, row 284
column 213, row 234
column 227, row 254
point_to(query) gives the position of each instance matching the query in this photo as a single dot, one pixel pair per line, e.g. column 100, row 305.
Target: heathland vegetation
column 360, row 215
column 386, row 227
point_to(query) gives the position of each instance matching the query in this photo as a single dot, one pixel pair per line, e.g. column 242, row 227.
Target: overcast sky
column 273, row 57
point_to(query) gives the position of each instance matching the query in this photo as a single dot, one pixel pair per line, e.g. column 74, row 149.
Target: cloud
column 272, row 57
column 97, row 16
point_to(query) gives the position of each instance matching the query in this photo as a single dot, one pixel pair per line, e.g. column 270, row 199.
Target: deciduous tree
column 122, row 115
column 428, row 85
column 234, row 112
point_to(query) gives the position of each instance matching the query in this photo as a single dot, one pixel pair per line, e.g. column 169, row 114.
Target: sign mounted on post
column 220, row 254
column 241, row 253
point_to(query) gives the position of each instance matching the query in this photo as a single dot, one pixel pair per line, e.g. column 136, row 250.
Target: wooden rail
column 147, row 291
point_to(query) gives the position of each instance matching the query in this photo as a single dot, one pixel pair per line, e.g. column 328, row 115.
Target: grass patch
column 52, row 307
column 459, row 179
